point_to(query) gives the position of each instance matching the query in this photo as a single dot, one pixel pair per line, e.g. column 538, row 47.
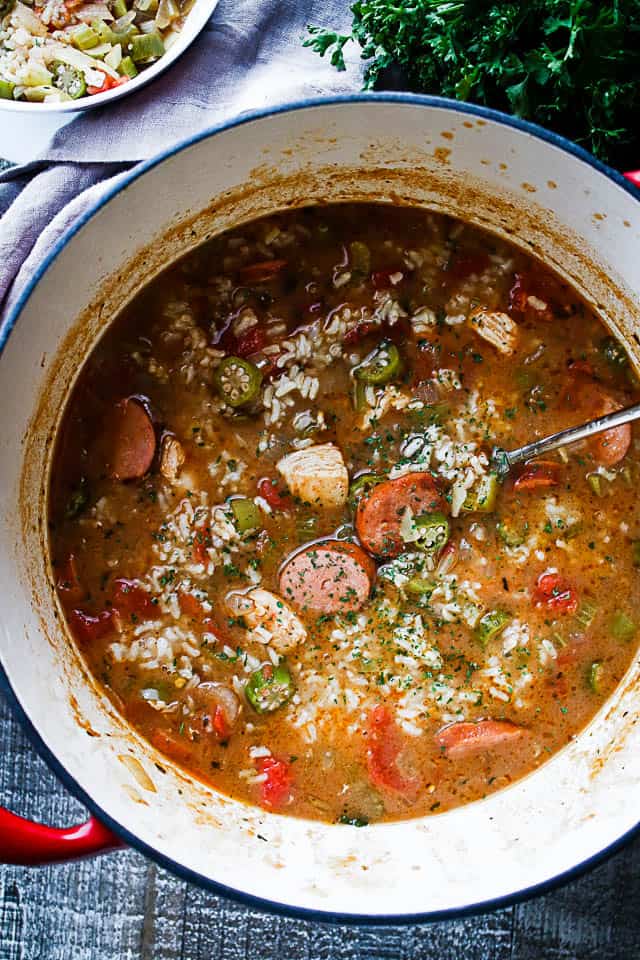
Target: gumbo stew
column 277, row 538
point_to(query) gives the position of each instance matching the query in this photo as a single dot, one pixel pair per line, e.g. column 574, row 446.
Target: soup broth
column 277, row 537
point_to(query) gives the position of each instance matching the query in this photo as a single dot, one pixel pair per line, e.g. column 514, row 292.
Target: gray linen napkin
column 249, row 56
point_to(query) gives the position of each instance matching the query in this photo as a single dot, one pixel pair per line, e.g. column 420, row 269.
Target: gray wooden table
column 123, row 907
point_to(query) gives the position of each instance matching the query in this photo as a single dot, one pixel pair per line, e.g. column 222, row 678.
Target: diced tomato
column 539, row 474
column 190, row 606
column 555, row 592
column 260, row 272
column 359, row 332
column 220, row 724
column 201, row 544
column 277, row 501
column 132, row 601
column 275, row 791
column 546, row 294
column 108, row 84
column 465, row 736
column 463, row 265
column 384, row 744
column 251, row 342
column 518, row 295
column 174, row 747
column 581, row 366
column 381, row 279
column 67, row 581
column 425, row 362
column 88, row 627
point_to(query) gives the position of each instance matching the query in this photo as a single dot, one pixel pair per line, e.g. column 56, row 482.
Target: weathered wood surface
column 122, row 907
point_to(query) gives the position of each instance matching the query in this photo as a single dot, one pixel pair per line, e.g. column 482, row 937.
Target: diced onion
column 167, row 13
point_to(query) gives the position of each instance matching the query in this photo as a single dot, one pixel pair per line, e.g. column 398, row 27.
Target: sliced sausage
column 380, row 512
column 464, row 737
column 328, row 577
column 610, row 447
column 131, row 440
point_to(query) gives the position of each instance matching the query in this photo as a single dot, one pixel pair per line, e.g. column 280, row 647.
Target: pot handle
column 634, row 176
column 26, row 843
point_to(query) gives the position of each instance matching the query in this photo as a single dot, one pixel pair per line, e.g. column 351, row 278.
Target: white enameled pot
column 519, row 182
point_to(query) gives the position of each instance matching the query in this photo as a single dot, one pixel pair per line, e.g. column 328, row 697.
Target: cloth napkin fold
column 249, row 56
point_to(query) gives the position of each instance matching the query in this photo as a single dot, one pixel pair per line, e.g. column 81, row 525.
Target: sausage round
column 131, row 440
column 328, row 577
column 380, row 512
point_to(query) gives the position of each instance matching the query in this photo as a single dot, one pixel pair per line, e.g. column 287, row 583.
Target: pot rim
column 7, row 326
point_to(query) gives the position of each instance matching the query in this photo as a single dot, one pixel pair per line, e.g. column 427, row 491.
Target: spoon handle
column 572, row 435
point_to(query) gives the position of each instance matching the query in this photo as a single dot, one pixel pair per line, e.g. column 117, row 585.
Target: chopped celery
column 83, row 37
column 118, row 8
column 101, row 51
column 146, row 6
column 360, row 396
column 627, row 475
column 146, row 47
column 595, row 482
column 491, row 625
column 6, row 90
column 381, row 365
column 482, row 497
column 361, row 486
column 127, row 68
column 595, row 676
column 246, row 513
column 510, row 535
column 585, row 614
column 360, row 258
column 420, row 587
column 269, row 687
column 104, row 32
column 622, row 627
column 572, row 530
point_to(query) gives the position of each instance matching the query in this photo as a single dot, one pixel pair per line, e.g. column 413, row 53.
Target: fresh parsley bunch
column 571, row 65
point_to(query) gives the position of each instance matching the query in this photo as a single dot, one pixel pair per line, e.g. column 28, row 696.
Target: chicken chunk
column 172, row 457
column 496, row 328
column 316, row 475
column 271, row 613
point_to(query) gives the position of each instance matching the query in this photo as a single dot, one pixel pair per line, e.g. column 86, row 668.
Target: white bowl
column 543, row 193
column 196, row 19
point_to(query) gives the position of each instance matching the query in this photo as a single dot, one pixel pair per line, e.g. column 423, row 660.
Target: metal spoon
column 502, row 461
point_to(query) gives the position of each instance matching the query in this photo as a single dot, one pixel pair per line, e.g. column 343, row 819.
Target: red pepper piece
column 553, row 591
column 276, row 500
column 260, row 272
column 131, row 600
column 251, row 342
column 384, row 744
column 88, row 627
column 67, row 582
column 275, row 791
